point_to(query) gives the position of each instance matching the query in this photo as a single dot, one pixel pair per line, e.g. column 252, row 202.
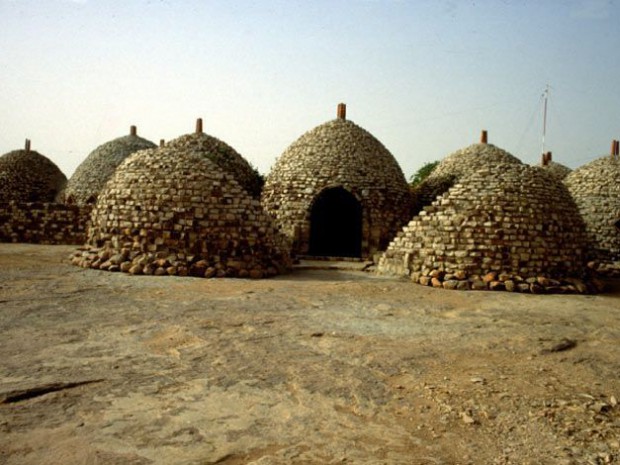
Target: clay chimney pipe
column 617, row 148
column 543, row 160
column 162, row 142
column 549, row 159
column 133, row 131
column 27, row 146
column 199, row 126
column 342, row 111
column 484, row 137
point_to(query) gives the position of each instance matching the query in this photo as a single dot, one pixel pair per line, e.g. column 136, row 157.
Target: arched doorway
column 336, row 224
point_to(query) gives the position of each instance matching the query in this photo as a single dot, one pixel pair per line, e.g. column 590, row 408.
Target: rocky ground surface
column 314, row 367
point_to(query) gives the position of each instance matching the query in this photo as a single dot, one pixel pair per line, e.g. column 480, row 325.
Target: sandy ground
column 316, row 367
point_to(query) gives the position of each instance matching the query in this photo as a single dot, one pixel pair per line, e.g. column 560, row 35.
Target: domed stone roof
column 471, row 159
column 92, row 174
column 507, row 226
column 173, row 211
column 223, row 155
column 596, row 190
column 337, row 191
column 556, row 169
column 28, row 176
column 456, row 165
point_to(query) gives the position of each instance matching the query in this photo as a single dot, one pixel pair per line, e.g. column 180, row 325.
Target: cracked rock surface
column 313, row 367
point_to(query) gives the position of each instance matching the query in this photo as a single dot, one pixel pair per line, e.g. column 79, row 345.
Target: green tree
column 422, row 173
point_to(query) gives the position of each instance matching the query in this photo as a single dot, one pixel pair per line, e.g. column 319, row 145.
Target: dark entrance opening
column 336, row 224
column 617, row 225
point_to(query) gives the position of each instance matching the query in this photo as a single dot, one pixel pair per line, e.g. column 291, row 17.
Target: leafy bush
column 422, row 173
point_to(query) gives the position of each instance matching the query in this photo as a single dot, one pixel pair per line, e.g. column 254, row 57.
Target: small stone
column 436, row 282
column 467, row 418
column 210, row 272
column 601, row 407
column 460, row 275
column 162, row 263
column 436, row 274
column 450, row 284
column 497, row 286
column 561, row 346
column 613, row 401
column 172, row 270
column 509, row 285
column 256, row 274
column 503, row 277
column 478, row 285
column 117, row 259
column 489, row 277
column 424, row 280
column 160, row 271
column 523, row 287
column 125, row 267
column 135, row 269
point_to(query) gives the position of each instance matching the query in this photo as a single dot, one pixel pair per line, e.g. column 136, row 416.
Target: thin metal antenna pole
column 545, row 95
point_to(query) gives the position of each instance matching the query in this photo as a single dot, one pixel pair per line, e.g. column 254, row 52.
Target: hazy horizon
column 423, row 77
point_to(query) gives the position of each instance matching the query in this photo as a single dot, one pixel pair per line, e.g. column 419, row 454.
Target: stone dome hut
column 99, row 166
column 596, row 190
column 172, row 211
column 337, row 191
column 507, row 226
column 28, row 176
column 456, row 165
column 556, row 169
column 223, row 155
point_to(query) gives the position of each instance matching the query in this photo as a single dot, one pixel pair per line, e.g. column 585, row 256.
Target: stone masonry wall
column 42, row 223
column 596, row 190
column 170, row 211
column 338, row 154
column 89, row 178
column 224, row 156
column 509, row 227
column 452, row 168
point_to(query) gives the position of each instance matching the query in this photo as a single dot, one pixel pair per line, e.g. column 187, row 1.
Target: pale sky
column 424, row 77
